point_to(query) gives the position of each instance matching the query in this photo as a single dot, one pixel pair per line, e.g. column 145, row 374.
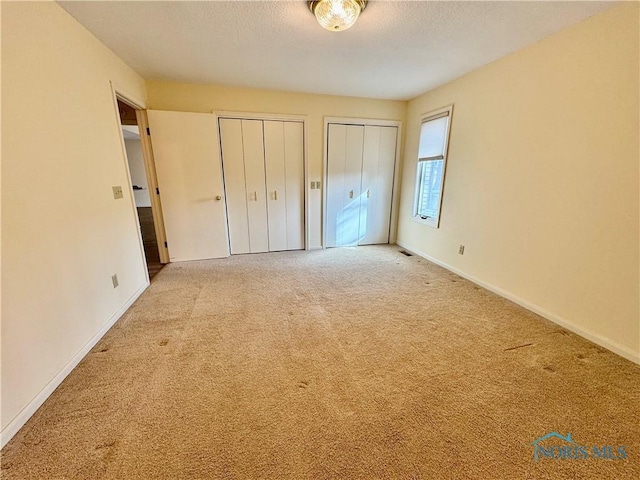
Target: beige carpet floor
column 356, row 363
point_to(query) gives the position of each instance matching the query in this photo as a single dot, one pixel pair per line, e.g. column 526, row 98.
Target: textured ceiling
column 396, row 50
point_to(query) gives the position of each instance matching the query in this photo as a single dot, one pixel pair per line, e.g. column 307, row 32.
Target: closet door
column 344, row 164
column 274, row 158
column 284, row 164
column 294, row 179
column 235, row 186
column 254, row 174
column 337, row 139
column 353, row 184
column 378, row 165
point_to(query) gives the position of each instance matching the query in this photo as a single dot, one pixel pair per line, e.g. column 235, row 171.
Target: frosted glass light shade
column 337, row 15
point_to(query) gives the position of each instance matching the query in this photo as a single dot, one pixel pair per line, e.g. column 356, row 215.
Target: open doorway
column 142, row 191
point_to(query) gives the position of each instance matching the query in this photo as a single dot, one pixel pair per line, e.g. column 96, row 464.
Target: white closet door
column 294, row 179
column 344, row 184
column 336, row 161
column 254, row 174
column 377, row 184
column 274, row 157
column 284, row 163
column 185, row 148
column 369, row 174
column 350, row 218
column 234, row 182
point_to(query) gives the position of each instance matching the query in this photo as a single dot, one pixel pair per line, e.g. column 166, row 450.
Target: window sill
column 430, row 222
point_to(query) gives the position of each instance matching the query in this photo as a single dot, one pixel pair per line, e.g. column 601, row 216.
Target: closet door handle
column 351, row 194
column 255, row 196
column 275, row 194
column 368, row 193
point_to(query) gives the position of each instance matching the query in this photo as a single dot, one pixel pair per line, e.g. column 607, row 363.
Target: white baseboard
column 583, row 332
column 25, row 414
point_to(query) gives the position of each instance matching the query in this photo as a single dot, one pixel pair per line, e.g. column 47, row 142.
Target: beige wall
column 206, row 98
column 542, row 178
column 63, row 234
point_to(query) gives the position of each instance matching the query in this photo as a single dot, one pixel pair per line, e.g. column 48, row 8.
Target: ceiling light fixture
column 337, row 15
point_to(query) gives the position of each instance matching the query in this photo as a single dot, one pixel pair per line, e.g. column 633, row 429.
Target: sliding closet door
column 283, row 149
column 378, row 164
column 344, row 164
column 254, row 174
column 235, row 186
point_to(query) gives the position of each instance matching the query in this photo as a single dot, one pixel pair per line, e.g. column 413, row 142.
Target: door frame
column 393, row 224
column 150, row 170
column 283, row 118
column 152, row 182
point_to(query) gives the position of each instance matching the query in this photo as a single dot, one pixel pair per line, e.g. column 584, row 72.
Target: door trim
column 150, row 168
column 305, row 147
column 152, row 182
column 395, row 199
column 117, row 95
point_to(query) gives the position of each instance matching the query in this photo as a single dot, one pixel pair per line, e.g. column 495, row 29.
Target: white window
column 432, row 161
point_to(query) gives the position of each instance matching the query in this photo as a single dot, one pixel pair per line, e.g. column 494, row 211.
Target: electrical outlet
column 114, row 279
column 117, row 192
column 461, row 250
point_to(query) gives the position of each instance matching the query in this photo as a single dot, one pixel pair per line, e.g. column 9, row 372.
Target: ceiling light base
column 313, row 3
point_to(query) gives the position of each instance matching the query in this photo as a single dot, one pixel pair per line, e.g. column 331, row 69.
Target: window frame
column 426, row 117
